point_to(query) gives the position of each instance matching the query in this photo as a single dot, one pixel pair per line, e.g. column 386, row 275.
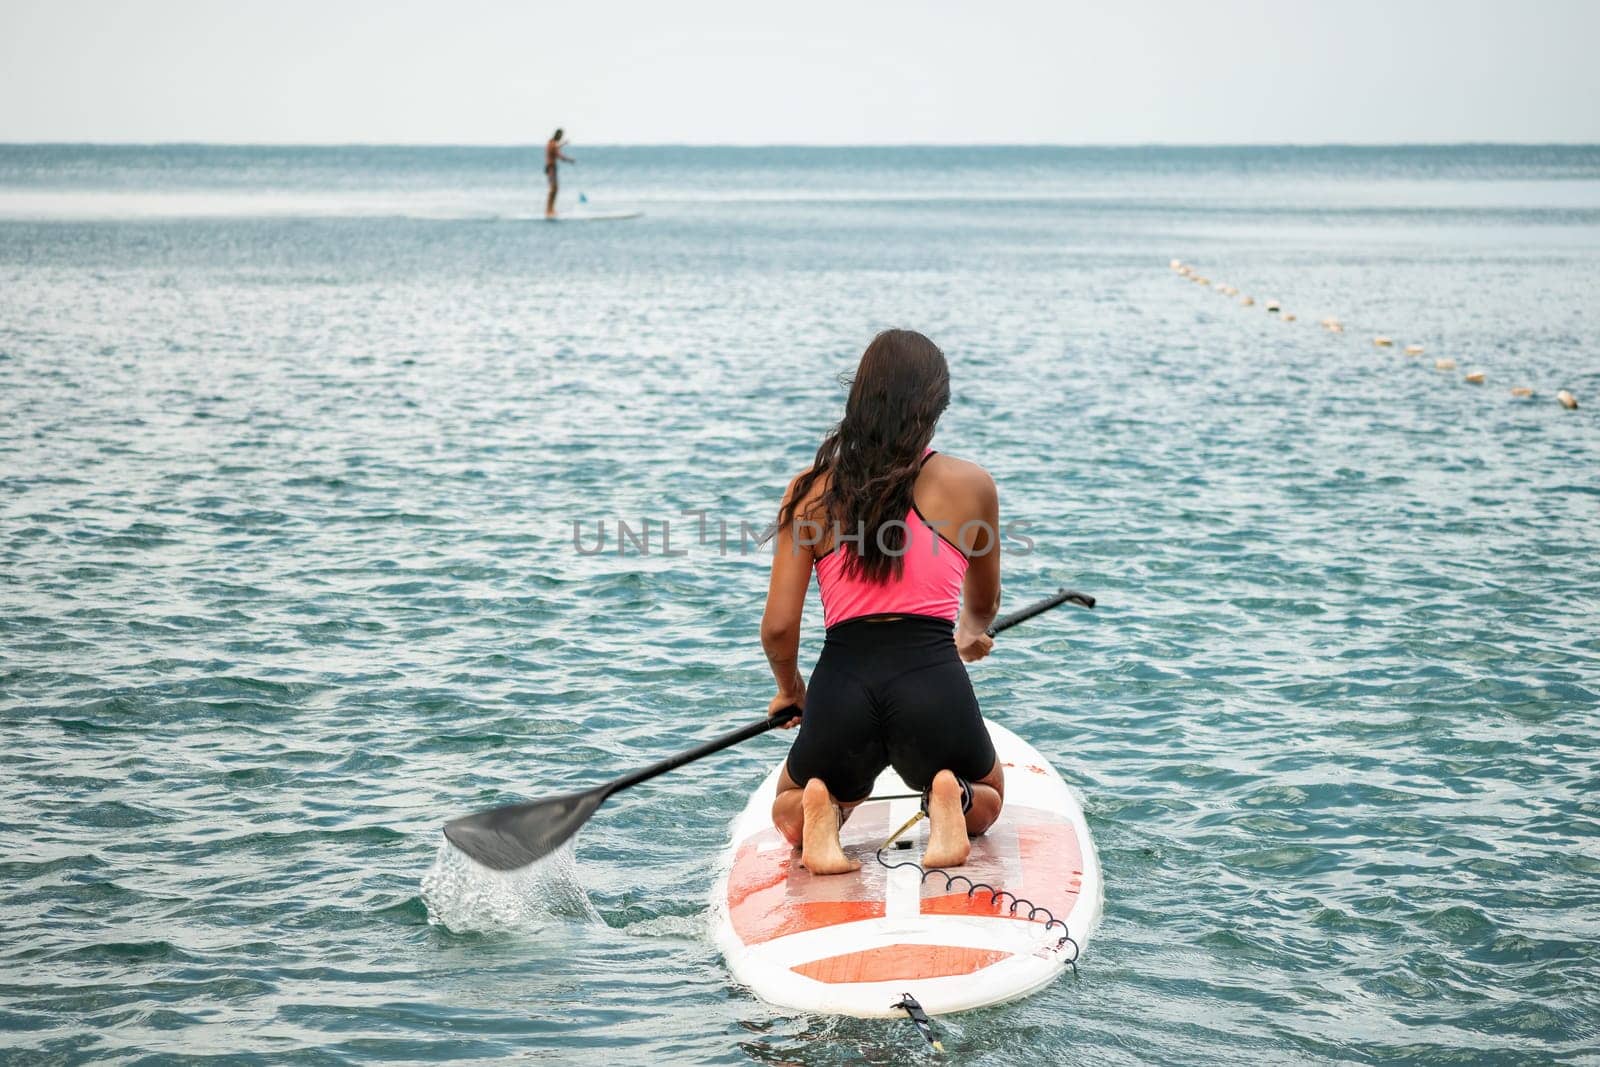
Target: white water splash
column 462, row 895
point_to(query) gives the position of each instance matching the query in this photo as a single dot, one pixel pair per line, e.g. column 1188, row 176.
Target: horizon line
column 821, row 145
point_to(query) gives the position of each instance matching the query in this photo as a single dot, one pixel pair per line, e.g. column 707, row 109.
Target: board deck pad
column 852, row 944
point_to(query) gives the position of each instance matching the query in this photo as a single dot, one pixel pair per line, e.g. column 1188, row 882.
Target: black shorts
column 889, row 693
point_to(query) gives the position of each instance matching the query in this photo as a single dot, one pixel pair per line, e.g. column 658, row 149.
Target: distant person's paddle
column 515, row 835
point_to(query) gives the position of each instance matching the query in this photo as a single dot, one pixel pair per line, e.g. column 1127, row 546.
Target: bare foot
column 819, row 844
column 948, row 845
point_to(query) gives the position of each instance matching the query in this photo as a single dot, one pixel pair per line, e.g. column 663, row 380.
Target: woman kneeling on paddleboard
column 905, row 544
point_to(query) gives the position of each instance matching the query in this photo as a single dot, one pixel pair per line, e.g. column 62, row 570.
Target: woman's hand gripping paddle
column 515, row 835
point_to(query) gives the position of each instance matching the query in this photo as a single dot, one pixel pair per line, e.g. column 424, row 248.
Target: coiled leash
column 1030, row 911
column 908, row 1003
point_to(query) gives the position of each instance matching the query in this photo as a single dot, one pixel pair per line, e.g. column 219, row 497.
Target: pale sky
column 821, row 72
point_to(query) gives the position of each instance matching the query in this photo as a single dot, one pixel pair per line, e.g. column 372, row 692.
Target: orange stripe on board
column 755, row 924
column 894, row 963
column 762, row 908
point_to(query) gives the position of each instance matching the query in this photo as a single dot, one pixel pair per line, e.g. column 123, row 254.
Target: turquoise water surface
column 292, row 445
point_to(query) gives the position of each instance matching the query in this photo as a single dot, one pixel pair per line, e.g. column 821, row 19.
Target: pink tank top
column 929, row 582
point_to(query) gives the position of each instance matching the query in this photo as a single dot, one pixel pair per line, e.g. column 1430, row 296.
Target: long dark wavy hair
column 872, row 457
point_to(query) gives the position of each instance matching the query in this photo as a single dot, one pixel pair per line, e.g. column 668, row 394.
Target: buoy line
column 1332, row 324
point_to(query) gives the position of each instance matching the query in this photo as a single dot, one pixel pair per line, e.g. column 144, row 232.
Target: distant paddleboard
column 851, row 944
column 577, row 216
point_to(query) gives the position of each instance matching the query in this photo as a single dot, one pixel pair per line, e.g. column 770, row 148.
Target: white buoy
column 1273, row 306
column 1568, row 401
column 1175, row 264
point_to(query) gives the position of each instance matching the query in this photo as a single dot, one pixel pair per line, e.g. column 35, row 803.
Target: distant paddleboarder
column 904, row 543
column 552, row 156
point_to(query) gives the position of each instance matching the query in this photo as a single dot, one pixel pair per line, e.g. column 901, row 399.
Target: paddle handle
column 744, row 733
column 1006, row 622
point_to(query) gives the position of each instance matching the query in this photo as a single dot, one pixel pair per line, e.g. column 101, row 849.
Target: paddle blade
column 513, row 836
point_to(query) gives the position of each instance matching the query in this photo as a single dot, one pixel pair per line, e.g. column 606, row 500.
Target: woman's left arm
column 780, row 623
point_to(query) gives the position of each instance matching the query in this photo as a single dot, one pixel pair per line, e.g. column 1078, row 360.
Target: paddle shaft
column 672, row 763
column 1006, row 622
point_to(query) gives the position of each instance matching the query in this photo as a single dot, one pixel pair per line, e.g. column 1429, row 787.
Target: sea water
column 292, row 446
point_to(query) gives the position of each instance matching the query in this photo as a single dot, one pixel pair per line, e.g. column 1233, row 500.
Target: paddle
column 515, row 835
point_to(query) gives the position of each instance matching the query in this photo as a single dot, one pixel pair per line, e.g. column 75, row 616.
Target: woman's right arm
column 980, row 590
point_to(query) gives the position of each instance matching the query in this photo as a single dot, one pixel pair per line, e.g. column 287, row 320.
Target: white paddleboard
column 852, row 944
